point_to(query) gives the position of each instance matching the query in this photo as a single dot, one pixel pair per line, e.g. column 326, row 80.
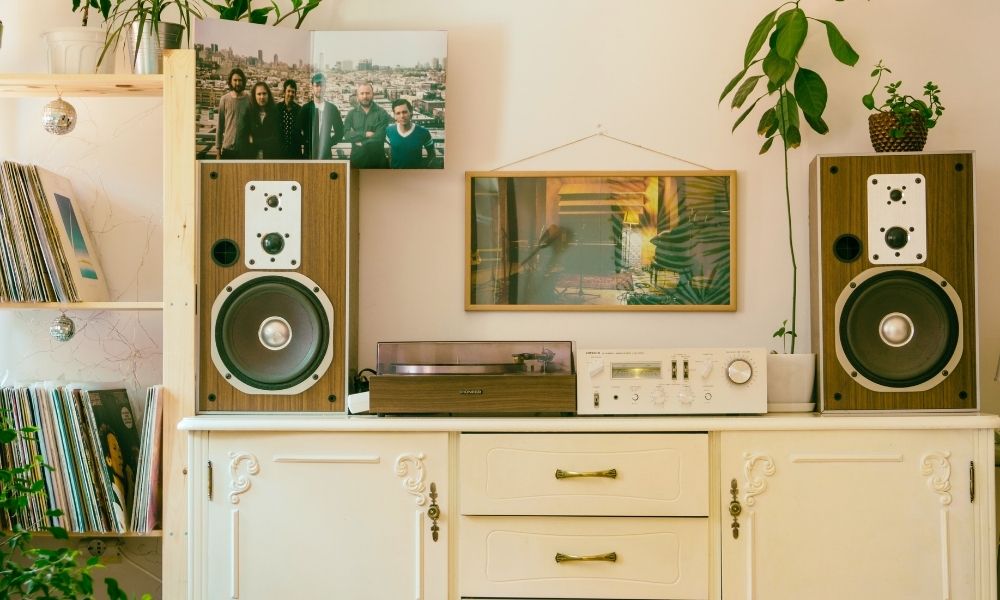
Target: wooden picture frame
column 600, row 241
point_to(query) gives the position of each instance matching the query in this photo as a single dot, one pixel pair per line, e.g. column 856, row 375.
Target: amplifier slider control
column 739, row 371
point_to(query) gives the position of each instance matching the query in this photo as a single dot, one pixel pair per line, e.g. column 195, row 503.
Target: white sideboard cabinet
column 319, row 515
column 855, row 514
column 824, row 507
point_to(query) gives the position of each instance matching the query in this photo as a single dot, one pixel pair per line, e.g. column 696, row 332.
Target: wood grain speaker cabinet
column 277, row 293
column 892, row 248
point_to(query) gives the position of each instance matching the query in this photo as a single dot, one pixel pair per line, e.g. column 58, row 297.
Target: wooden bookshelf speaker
column 277, row 286
column 892, row 248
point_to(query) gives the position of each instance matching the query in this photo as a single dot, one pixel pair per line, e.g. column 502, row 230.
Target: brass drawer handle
column 610, row 474
column 609, row 557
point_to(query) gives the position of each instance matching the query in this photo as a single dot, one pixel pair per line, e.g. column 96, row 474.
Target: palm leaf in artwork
column 699, row 251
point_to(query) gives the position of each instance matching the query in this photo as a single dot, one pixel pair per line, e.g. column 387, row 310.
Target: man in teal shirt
column 408, row 142
column 364, row 128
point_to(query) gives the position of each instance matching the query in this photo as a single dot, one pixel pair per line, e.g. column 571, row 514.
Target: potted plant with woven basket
column 900, row 124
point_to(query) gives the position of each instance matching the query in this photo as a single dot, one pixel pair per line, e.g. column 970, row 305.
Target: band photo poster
column 376, row 98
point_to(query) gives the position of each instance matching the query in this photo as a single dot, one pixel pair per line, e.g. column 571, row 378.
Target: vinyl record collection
column 46, row 254
column 103, row 474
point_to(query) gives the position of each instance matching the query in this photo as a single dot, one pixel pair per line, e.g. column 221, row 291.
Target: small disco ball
column 62, row 328
column 59, row 117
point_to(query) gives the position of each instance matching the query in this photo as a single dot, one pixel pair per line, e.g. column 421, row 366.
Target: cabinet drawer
column 653, row 474
column 664, row 558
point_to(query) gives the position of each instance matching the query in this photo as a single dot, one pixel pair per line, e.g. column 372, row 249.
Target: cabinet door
column 325, row 515
column 878, row 515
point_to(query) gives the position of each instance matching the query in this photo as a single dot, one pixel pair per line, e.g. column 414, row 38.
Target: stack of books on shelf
column 46, row 253
column 102, row 473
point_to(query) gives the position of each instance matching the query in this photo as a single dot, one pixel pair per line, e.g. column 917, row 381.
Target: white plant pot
column 790, row 380
column 77, row 50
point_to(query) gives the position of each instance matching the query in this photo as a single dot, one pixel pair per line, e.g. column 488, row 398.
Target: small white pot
column 790, row 378
column 77, row 49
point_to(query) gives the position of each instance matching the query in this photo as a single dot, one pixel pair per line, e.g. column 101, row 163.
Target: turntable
column 474, row 378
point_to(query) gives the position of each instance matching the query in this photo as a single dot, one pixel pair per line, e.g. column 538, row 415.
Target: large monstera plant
column 792, row 93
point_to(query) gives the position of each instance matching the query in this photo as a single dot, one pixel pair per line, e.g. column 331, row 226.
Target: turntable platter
column 457, row 369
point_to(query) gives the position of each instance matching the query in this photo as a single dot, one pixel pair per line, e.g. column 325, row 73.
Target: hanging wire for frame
column 600, row 133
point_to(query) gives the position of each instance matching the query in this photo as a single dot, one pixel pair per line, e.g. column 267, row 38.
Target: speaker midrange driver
column 273, row 333
column 899, row 329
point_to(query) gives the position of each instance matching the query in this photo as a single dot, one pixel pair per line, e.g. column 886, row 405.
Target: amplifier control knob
column 659, row 397
column 686, row 396
column 706, row 369
column 739, row 371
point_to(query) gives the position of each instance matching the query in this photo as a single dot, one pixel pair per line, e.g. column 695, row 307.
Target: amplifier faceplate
column 672, row 381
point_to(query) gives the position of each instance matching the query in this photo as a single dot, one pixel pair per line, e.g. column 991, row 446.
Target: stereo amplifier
column 672, row 381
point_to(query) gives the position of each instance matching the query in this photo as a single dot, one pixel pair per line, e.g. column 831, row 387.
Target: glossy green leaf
column 793, row 137
column 744, row 91
column 791, row 34
column 757, row 38
column 259, row 15
column 869, row 101
column 767, row 121
column 810, row 90
column 788, row 111
column 840, row 47
column 766, row 146
column 732, row 84
column 746, row 113
column 817, row 124
column 777, row 69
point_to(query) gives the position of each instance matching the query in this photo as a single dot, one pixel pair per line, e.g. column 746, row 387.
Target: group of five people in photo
column 255, row 126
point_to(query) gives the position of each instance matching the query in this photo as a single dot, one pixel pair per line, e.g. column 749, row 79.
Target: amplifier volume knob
column 739, row 371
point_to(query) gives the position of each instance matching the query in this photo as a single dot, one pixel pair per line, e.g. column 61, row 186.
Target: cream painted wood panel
column 515, row 474
column 320, row 515
column 865, row 515
column 656, row 557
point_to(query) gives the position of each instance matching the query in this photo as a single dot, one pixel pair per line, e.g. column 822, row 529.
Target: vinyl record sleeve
column 77, row 245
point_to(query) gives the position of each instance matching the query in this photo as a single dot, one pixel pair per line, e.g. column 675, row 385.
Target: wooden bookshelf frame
column 176, row 87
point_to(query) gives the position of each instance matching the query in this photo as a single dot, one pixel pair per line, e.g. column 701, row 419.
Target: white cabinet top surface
column 773, row 422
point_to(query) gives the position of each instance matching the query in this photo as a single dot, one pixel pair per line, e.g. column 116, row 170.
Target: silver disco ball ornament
column 59, row 117
column 62, row 328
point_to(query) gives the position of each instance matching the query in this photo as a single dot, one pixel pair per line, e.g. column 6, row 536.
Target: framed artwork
column 376, row 98
column 609, row 241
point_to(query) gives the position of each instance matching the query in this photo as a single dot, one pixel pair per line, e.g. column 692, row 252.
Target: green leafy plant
column 238, row 10
column 148, row 14
column 906, row 108
column 786, row 335
column 27, row 571
column 102, row 6
column 772, row 57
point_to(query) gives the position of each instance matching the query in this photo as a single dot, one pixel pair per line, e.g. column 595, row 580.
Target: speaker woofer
column 898, row 329
column 272, row 333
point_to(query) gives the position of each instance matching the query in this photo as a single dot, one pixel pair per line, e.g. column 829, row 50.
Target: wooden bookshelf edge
column 81, row 306
column 156, row 533
column 14, row 85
